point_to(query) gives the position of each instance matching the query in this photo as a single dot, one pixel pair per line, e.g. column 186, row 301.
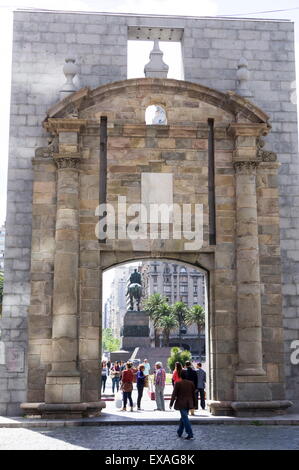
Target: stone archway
column 207, row 342
column 209, row 153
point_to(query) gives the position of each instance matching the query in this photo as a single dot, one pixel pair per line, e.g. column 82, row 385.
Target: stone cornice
column 55, row 126
column 240, row 129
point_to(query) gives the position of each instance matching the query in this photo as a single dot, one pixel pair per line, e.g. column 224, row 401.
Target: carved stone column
column 247, row 250
column 63, row 381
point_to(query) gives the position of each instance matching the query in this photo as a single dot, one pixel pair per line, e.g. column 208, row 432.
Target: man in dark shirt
column 201, row 384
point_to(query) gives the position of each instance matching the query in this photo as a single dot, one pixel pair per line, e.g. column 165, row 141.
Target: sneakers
column 189, row 438
column 179, row 435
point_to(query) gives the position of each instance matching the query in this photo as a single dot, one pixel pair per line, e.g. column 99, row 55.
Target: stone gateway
column 212, row 147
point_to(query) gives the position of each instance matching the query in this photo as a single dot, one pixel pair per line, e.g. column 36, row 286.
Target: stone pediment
column 80, row 101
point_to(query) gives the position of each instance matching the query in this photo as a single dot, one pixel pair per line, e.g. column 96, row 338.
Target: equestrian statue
column 134, row 290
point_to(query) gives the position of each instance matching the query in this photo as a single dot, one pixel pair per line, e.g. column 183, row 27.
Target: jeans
column 140, row 393
column 185, row 424
column 201, row 392
column 115, row 383
column 159, row 390
column 104, row 378
column 127, row 396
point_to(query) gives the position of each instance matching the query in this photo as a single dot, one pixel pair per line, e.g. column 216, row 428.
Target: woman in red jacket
column 127, row 377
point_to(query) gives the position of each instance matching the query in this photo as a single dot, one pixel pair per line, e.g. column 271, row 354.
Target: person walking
column 183, row 398
column 104, row 375
column 189, row 374
column 177, row 373
column 115, row 373
column 201, row 384
column 127, row 377
column 159, row 381
column 141, row 377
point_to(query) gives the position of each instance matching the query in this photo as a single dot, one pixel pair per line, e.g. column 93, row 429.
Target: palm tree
column 153, row 306
column 196, row 314
column 167, row 322
column 180, row 310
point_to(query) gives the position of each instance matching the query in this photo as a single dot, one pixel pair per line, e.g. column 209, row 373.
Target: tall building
column 176, row 282
column 2, row 245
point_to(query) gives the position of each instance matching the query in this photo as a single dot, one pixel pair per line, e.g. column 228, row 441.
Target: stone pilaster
column 249, row 316
column 63, row 383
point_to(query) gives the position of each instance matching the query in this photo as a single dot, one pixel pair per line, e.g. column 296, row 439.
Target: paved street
column 207, row 437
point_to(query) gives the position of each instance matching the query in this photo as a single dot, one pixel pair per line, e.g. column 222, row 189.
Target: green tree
column 196, row 315
column 177, row 355
column 153, row 306
column 167, row 322
column 109, row 342
column 180, row 310
column 1, row 290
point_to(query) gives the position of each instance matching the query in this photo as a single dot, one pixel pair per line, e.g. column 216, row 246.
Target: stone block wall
column 212, row 49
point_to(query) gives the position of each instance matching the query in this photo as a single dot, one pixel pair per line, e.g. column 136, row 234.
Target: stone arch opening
column 136, row 348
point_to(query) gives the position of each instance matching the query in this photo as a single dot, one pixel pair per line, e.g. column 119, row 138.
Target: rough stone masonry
column 212, row 49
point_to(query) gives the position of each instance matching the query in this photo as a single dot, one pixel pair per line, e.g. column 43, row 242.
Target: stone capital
column 246, row 167
column 248, row 129
column 67, row 160
column 57, row 125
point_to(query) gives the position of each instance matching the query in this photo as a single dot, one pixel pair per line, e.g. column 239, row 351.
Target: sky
column 160, row 7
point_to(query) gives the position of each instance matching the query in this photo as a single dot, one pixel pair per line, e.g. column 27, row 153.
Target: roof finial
column 70, row 69
column 243, row 76
column 156, row 68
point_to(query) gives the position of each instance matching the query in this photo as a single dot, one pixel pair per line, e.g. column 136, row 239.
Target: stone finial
column 243, row 76
column 156, row 68
column 70, row 69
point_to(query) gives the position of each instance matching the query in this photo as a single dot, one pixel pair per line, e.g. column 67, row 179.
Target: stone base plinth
column 220, row 408
column 260, row 408
column 248, row 408
column 63, row 410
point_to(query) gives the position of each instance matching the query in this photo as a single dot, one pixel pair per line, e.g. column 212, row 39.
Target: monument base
column 135, row 331
column 63, row 410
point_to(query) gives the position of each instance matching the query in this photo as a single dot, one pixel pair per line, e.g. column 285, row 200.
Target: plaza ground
column 150, row 437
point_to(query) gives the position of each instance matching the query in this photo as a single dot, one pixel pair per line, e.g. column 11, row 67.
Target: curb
column 146, row 422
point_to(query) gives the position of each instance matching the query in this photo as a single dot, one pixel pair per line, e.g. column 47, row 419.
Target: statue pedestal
column 135, row 330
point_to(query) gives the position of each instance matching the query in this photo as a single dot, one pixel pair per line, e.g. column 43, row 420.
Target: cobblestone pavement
column 207, row 437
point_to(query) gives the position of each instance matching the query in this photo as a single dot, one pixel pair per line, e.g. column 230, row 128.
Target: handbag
column 118, row 400
column 150, row 391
